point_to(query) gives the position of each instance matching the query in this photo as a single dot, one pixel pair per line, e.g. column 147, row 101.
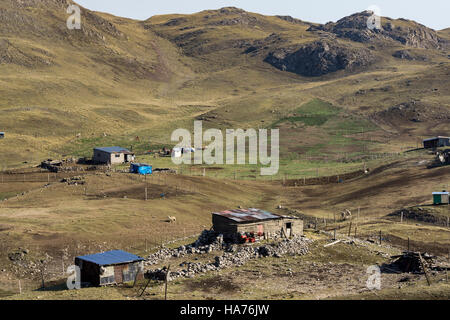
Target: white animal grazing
column 172, row 219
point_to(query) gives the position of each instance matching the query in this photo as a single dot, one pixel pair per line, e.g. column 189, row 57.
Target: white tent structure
column 178, row 152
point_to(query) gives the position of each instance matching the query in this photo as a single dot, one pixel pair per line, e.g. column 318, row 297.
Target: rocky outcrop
column 410, row 33
column 11, row 54
column 39, row 3
column 319, row 58
column 243, row 19
column 409, row 55
column 293, row 20
column 412, row 111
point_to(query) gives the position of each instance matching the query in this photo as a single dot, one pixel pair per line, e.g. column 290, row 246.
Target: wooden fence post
column 425, row 269
column 42, row 275
column 167, row 279
column 448, row 259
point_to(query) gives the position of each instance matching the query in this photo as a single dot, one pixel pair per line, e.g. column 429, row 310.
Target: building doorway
column 288, row 228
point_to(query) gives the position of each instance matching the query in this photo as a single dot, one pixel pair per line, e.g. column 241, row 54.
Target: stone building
column 112, row 155
column 256, row 223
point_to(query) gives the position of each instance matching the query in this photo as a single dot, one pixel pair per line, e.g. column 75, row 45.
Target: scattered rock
column 408, row 55
column 233, row 255
column 354, row 27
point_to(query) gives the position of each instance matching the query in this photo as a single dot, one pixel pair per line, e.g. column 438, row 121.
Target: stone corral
column 233, row 255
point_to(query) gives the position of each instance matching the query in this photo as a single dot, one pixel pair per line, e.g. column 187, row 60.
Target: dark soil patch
column 325, row 180
column 421, row 215
column 30, row 177
column 5, row 227
column 154, row 191
column 217, row 283
column 434, row 248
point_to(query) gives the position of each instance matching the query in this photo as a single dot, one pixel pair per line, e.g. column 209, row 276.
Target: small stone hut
column 112, row 155
column 235, row 223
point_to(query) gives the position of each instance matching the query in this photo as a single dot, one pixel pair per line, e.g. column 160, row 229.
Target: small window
column 289, row 225
column 117, row 155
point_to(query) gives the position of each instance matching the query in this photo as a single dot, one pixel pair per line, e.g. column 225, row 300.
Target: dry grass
column 146, row 79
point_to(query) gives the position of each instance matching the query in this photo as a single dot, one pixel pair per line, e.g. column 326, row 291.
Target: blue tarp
column 111, row 257
column 141, row 168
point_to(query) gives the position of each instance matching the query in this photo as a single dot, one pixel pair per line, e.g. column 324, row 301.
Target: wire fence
column 37, row 176
column 40, row 269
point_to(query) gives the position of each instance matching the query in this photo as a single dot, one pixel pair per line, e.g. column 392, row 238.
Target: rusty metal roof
column 247, row 215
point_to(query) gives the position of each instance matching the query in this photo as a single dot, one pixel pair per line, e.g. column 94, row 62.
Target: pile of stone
column 207, row 242
column 239, row 258
column 294, row 246
column 159, row 274
column 411, row 262
column 18, row 255
column 77, row 180
column 233, row 257
column 60, row 165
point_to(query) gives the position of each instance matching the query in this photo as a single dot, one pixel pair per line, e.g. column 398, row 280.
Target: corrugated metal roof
column 247, row 215
column 113, row 150
column 441, row 193
column 111, row 257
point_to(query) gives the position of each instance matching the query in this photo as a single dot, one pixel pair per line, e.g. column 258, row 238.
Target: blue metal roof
column 112, row 149
column 111, row 257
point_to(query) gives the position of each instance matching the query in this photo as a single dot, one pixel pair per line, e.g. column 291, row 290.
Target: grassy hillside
column 124, row 78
